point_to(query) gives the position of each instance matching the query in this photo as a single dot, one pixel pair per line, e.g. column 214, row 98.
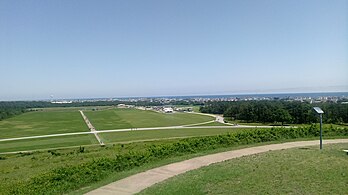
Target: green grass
column 42, row 122
column 160, row 134
column 133, row 118
column 21, row 167
column 196, row 108
column 293, row 171
column 49, row 142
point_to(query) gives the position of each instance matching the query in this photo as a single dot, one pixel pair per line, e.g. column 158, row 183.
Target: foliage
column 68, row 178
column 278, row 111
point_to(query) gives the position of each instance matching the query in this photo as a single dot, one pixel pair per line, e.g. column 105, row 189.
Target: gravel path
column 138, row 182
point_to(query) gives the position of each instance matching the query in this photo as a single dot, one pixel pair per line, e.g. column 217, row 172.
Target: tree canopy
column 278, row 111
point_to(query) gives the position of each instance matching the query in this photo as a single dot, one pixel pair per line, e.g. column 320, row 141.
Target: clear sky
column 100, row 48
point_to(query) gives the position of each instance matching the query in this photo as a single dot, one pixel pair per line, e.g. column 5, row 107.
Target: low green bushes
column 69, row 178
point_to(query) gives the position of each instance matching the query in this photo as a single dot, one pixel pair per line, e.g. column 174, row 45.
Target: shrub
column 65, row 179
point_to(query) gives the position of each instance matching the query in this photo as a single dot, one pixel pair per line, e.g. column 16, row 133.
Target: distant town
column 335, row 97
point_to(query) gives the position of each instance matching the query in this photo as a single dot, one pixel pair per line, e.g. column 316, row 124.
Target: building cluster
column 203, row 99
column 162, row 109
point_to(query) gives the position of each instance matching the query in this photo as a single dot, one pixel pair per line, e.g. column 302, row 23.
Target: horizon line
column 172, row 96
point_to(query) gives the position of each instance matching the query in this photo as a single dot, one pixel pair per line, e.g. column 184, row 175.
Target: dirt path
column 140, row 181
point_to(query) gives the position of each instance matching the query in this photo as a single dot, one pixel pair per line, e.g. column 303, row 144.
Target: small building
column 184, row 109
column 168, row 110
column 122, row 106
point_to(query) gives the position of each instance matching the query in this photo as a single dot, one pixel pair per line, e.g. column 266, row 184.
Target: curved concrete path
column 140, row 181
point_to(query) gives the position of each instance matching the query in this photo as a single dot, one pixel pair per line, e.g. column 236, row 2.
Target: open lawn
column 49, row 142
column 293, row 171
column 42, row 122
column 92, row 166
column 108, row 138
column 160, row 134
column 134, row 118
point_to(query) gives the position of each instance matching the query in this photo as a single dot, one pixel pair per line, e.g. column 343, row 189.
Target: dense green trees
column 9, row 109
column 278, row 111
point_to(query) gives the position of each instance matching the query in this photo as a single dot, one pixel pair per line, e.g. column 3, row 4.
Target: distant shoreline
column 256, row 95
column 314, row 95
column 241, row 96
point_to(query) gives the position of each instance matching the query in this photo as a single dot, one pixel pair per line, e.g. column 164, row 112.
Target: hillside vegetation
column 291, row 171
column 70, row 177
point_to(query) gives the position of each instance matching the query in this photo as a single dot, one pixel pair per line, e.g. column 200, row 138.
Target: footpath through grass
column 134, row 118
column 292, row 171
column 80, row 169
column 42, row 122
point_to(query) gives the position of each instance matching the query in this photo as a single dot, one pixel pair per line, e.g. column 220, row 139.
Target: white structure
column 122, row 106
column 168, row 110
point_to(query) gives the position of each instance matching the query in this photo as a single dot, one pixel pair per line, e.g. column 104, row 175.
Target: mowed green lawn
column 48, row 142
column 134, row 118
column 43, row 122
column 292, row 171
column 126, row 136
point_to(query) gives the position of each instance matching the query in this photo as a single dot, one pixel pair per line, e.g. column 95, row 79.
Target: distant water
column 241, row 96
column 280, row 95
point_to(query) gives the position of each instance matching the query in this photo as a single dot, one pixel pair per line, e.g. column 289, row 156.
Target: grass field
column 67, row 120
column 112, row 137
column 292, row 171
column 49, row 142
column 133, row 118
column 42, row 123
column 16, row 168
column 160, row 134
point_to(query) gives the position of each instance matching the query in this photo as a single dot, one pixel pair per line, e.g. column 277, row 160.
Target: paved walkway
column 140, row 181
column 91, row 127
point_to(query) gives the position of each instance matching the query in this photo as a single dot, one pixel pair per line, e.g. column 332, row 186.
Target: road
column 218, row 118
column 138, row 182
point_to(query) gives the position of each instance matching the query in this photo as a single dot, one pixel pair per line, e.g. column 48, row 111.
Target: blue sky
column 80, row 48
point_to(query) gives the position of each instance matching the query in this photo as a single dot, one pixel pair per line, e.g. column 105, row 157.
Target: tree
column 282, row 116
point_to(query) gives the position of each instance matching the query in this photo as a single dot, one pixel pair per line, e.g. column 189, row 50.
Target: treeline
column 9, row 112
column 278, row 111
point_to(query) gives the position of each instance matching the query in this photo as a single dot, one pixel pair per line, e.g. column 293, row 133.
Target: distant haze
column 113, row 48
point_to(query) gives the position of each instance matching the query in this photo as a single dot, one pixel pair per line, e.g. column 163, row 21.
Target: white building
column 168, row 110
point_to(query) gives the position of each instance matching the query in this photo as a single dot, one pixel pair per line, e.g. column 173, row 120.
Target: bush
column 65, row 179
